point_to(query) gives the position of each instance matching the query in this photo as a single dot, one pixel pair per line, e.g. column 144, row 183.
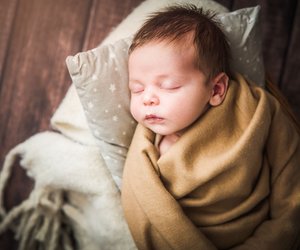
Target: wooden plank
column 290, row 83
column 35, row 77
column 7, row 12
column 239, row 4
column 226, row 3
column 104, row 17
column 44, row 33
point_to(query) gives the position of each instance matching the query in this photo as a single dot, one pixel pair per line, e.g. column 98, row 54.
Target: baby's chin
column 160, row 130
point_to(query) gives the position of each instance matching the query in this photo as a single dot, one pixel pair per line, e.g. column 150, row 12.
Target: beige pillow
column 101, row 82
column 100, row 77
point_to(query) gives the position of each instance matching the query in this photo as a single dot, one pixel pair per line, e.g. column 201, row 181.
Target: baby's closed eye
column 136, row 88
column 170, row 85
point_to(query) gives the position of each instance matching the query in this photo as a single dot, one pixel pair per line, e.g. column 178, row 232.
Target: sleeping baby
column 214, row 161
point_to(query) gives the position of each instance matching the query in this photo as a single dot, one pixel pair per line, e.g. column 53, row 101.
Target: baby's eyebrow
column 134, row 83
column 171, row 76
column 133, row 80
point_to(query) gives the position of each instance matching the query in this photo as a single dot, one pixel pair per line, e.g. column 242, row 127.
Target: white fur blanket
column 74, row 197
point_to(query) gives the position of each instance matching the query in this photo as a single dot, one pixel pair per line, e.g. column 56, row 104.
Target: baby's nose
column 150, row 99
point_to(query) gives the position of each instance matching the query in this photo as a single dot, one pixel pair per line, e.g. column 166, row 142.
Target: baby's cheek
column 135, row 110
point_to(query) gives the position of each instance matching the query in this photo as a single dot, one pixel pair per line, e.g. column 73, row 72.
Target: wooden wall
column 37, row 35
column 35, row 38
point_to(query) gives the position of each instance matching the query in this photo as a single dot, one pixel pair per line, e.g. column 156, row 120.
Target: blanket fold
column 232, row 180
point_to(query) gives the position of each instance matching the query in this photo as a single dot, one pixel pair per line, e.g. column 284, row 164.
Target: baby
column 214, row 162
column 175, row 76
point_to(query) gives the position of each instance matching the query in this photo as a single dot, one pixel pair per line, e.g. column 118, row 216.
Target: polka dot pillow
column 100, row 77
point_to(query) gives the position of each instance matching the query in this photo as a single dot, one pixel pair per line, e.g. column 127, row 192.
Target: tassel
column 38, row 222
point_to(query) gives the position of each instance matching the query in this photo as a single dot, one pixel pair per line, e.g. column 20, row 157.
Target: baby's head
column 180, row 23
column 178, row 67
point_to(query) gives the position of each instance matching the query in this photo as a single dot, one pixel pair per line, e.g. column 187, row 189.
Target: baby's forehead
column 181, row 42
column 177, row 49
column 166, row 55
column 185, row 45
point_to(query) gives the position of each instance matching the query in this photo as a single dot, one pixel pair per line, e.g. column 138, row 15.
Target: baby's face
column 168, row 91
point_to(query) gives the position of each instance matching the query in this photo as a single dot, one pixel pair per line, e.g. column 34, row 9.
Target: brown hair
column 174, row 23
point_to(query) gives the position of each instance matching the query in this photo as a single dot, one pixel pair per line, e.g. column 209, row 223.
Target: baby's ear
column 220, row 85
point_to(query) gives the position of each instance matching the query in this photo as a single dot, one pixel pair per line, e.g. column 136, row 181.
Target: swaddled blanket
column 232, row 180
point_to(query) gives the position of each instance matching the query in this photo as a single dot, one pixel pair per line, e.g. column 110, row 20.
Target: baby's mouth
column 153, row 118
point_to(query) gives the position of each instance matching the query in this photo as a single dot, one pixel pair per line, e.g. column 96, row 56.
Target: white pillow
column 101, row 79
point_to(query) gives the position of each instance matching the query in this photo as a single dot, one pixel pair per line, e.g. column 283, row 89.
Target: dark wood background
column 37, row 35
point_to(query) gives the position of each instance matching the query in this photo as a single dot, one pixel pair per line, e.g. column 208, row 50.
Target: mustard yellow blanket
column 231, row 181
